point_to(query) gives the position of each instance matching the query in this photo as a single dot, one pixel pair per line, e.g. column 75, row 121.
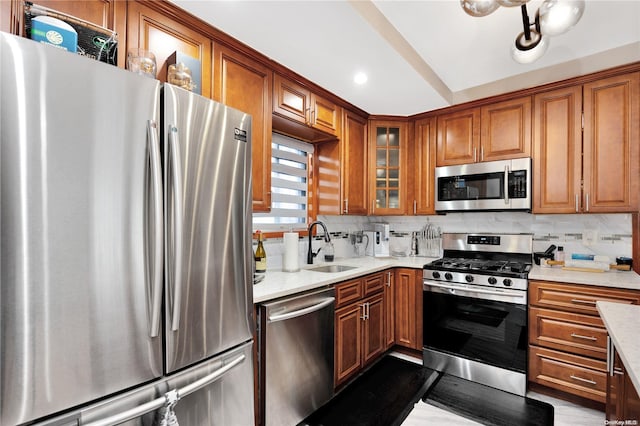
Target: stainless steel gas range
column 475, row 309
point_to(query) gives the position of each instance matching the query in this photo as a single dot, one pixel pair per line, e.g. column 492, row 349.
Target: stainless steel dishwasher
column 296, row 356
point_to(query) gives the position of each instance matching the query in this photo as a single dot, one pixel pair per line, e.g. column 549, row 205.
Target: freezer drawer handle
column 301, row 312
column 156, row 184
column 168, row 397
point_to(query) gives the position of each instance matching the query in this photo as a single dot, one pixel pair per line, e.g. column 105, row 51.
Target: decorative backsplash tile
column 602, row 234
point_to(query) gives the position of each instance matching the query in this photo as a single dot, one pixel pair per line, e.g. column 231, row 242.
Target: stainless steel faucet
column 327, row 239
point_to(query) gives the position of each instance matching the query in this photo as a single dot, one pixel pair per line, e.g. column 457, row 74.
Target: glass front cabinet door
column 388, row 159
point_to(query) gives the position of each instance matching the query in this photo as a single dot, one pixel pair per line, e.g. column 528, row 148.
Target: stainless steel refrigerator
column 126, row 259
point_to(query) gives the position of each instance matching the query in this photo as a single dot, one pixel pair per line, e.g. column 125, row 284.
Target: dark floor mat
column 487, row 405
column 383, row 396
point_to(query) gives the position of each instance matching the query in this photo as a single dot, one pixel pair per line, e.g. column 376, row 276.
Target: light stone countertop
column 614, row 279
column 623, row 322
column 278, row 283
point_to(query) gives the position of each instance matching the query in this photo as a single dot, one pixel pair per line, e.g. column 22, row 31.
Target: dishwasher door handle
column 300, row 312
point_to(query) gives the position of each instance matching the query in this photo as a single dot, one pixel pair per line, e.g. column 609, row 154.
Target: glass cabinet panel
column 387, row 192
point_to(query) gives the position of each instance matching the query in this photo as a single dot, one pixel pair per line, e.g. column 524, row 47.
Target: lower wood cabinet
column 567, row 338
column 623, row 402
column 389, row 309
column 359, row 325
column 408, row 308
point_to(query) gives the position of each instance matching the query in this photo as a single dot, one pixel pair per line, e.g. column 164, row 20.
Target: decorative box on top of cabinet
column 150, row 27
column 567, row 338
column 587, row 147
column 498, row 131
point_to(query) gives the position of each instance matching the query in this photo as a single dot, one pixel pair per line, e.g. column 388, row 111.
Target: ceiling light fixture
column 360, row 78
column 554, row 17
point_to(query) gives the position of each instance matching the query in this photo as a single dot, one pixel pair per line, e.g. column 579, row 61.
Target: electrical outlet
column 589, row 237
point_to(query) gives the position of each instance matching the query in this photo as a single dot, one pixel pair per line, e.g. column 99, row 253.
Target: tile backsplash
column 601, row 234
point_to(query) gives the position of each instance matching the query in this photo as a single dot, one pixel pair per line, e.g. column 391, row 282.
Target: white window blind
column 289, row 185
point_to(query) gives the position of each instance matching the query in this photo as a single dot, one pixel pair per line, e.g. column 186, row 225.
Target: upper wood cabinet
column 593, row 170
column 557, row 151
column 340, row 169
column 387, row 167
column 611, row 144
column 498, row 131
column 354, row 164
column 245, row 84
column 151, row 29
column 301, row 106
column 422, row 164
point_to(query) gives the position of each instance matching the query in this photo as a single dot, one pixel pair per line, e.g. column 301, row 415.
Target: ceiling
column 420, row 55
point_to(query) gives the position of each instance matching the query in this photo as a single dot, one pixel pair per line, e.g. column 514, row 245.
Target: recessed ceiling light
column 360, row 78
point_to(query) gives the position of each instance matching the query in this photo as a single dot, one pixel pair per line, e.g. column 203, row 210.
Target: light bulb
column 559, row 16
column 526, row 51
column 479, row 8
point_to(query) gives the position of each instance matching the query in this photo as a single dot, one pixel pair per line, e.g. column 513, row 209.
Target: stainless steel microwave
column 491, row 185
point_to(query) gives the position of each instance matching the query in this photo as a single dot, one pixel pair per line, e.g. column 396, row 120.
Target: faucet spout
column 327, row 239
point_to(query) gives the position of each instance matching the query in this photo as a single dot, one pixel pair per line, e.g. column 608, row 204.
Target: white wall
column 603, row 234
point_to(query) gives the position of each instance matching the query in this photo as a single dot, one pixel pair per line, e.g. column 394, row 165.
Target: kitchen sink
column 332, row 268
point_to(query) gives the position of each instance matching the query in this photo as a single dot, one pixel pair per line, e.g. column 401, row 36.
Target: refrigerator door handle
column 176, row 173
column 156, row 185
column 169, row 398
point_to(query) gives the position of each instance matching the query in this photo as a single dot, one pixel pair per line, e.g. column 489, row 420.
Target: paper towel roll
column 290, row 261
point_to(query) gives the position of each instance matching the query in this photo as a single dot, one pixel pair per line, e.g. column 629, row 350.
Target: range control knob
column 507, row 282
column 448, row 276
column 436, row 274
column 468, row 278
column 492, row 280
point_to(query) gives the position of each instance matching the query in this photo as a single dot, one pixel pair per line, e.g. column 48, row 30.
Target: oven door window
column 486, row 331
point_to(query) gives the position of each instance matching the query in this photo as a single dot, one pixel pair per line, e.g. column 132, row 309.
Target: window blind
column 289, row 185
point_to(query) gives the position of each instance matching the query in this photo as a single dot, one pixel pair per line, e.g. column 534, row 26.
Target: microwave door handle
column 506, row 184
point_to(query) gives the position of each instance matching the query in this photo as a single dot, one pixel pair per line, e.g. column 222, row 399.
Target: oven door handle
column 519, row 294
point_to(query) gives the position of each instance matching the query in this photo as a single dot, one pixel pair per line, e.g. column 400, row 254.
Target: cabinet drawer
column 348, row 292
column 574, row 333
column 374, row 283
column 569, row 373
column 576, row 298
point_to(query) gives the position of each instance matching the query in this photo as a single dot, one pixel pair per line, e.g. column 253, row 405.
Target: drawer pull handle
column 591, row 382
column 579, row 336
column 584, row 302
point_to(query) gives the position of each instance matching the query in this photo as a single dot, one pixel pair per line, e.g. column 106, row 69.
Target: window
column 290, row 164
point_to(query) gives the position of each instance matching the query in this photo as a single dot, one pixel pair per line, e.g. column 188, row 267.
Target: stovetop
column 502, row 268
column 490, row 259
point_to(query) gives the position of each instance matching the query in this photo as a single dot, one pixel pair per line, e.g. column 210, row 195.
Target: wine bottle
column 260, row 256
